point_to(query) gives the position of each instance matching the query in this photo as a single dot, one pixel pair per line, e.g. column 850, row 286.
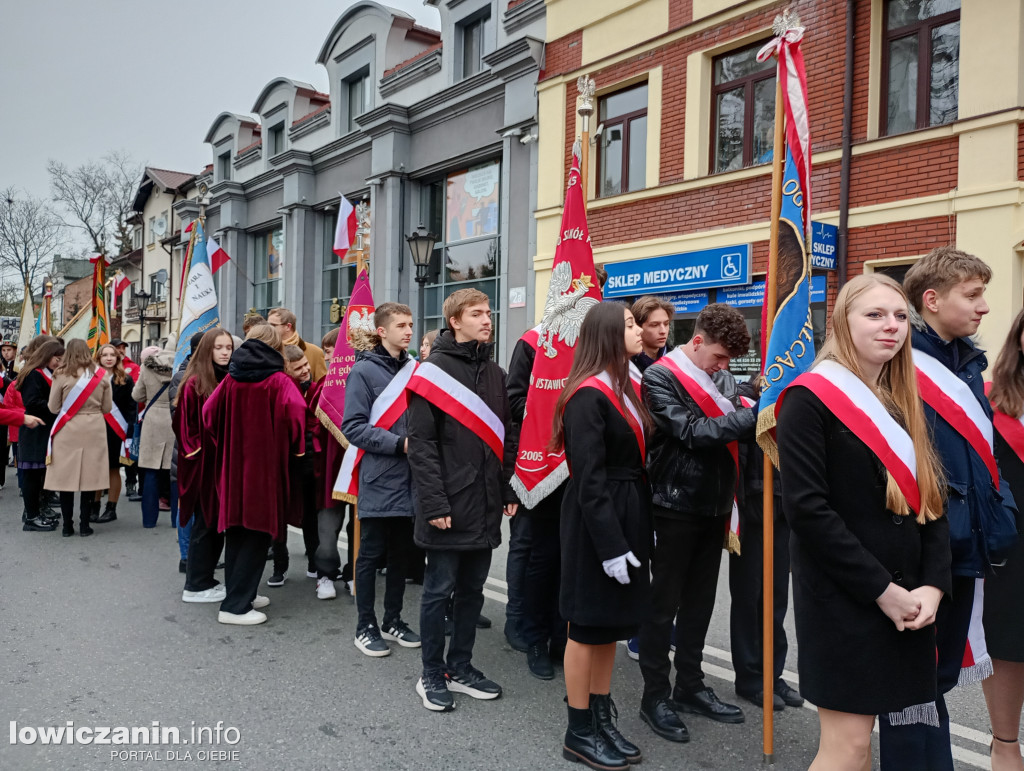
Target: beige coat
column 156, row 444
column 79, row 459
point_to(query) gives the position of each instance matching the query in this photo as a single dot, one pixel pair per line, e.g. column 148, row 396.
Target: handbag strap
column 152, row 401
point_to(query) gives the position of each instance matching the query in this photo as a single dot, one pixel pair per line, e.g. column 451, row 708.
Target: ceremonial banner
column 358, row 315
column 345, row 233
column 572, row 292
column 99, row 326
column 789, row 351
column 198, row 309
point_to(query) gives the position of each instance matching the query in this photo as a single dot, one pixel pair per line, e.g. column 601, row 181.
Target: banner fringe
column 346, row 497
column 126, row 461
column 324, row 418
column 550, row 483
column 926, row 714
column 765, row 440
column 732, row 543
column 975, row 673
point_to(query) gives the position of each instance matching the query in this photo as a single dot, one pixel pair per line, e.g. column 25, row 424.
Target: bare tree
column 30, row 233
column 97, row 197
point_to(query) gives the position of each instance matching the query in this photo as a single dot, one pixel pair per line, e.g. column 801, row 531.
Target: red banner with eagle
column 572, row 292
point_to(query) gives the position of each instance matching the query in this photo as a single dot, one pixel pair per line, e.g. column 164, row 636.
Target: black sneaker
column 400, row 633
column 276, row 580
column 433, row 689
column 473, row 683
column 539, row 661
column 369, row 641
column 38, row 525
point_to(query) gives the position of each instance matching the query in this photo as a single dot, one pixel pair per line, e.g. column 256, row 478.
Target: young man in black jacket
column 697, row 415
column 458, row 417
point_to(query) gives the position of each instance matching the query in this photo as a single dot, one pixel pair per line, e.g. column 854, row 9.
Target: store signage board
column 823, row 245
column 674, row 273
column 689, row 302
column 752, row 296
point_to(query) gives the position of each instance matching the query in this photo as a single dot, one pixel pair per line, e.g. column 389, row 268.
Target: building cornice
column 312, row 123
column 522, row 55
column 292, row 161
column 247, row 156
column 522, row 14
column 424, row 67
column 386, row 119
column 341, row 149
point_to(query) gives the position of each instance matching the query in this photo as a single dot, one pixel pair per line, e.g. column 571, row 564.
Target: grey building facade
column 422, row 127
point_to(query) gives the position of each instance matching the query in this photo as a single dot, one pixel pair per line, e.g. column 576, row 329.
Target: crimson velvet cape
column 194, row 463
column 254, row 422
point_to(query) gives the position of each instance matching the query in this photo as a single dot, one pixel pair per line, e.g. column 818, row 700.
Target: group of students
column 893, row 511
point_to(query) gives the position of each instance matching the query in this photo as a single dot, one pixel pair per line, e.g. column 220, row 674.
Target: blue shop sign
column 689, row 302
column 753, row 296
column 727, row 266
column 823, row 245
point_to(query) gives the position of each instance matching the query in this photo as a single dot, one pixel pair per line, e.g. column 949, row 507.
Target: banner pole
column 768, row 519
column 586, row 87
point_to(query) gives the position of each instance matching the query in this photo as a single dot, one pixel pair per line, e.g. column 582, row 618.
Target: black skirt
column 601, row 635
column 1004, row 608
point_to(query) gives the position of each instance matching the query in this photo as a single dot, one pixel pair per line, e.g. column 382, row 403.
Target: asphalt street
column 94, row 631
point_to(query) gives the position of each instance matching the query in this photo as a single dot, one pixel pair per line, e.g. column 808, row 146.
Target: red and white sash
column 860, row 410
column 47, row 375
column 956, row 403
column 77, row 396
column 702, row 389
column 115, row 419
column 603, row 383
column 461, row 403
column 1010, row 428
column 635, row 377
column 387, row 408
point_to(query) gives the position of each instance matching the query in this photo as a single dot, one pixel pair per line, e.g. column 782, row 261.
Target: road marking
column 962, row 754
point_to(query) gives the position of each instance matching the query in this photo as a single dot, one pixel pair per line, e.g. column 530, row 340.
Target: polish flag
column 121, row 283
column 218, row 257
column 190, row 226
column 345, row 235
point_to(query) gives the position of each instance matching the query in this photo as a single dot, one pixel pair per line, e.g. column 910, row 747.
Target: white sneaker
column 213, row 594
column 260, row 602
column 251, row 618
column 325, row 589
column 310, row 574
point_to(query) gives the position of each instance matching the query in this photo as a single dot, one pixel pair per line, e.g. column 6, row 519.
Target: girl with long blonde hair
column 863, row 493
column 112, row 360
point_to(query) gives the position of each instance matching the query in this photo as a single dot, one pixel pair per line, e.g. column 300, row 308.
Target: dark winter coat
column 688, row 460
column 972, row 499
column 35, row 395
column 845, row 549
column 455, row 473
column 643, row 361
column 385, row 482
column 122, row 396
column 520, row 369
column 606, row 512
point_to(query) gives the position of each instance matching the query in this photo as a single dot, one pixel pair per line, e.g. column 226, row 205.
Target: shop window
column 268, row 256
column 920, row 64
column 743, row 110
column 622, row 148
column 463, row 209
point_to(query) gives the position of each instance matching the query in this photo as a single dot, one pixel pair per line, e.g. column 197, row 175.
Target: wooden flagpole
column 361, row 264
column 768, row 520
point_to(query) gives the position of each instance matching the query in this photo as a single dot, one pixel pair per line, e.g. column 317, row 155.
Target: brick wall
column 680, row 13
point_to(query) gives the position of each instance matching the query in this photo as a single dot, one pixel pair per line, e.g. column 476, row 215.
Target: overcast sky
column 79, row 79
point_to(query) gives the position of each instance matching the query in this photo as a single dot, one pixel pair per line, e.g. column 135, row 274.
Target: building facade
column 680, row 175
column 419, row 127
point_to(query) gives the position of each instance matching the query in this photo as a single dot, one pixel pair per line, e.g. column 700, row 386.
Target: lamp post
column 142, row 300
column 421, row 246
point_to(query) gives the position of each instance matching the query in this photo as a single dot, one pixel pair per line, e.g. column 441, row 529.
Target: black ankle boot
column 605, row 714
column 84, row 529
column 109, row 513
column 69, row 527
column 584, row 743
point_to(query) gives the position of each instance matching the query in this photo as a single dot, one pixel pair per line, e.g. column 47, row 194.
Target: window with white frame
column 224, row 166
column 358, row 93
column 275, row 139
column 473, row 35
column 268, row 256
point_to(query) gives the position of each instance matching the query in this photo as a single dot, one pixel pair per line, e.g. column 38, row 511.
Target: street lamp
column 421, row 245
column 142, row 301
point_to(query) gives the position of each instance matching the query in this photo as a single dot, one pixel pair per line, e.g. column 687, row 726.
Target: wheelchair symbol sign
column 731, row 265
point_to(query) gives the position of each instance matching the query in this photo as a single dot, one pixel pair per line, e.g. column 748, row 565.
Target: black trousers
column 746, row 577
column 326, row 558
column 920, row 745
column 204, row 547
column 67, row 506
column 462, row 573
column 245, row 555
column 32, row 481
column 687, row 555
column 382, row 540
column 515, row 567
column 540, row 622
column 131, row 474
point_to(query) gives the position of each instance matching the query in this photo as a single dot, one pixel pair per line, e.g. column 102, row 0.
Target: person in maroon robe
column 207, row 367
column 254, row 422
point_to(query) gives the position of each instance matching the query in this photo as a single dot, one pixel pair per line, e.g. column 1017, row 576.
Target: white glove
column 616, row 568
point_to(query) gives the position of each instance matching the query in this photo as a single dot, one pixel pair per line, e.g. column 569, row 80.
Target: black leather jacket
column 688, row 461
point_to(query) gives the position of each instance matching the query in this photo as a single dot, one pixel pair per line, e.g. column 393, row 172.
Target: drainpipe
column 844, row 173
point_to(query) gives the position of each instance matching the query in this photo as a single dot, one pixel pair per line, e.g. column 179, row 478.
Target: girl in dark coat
column 605, row 528
column 111, row 359
column 868, row 570
column 1004, row 590
column 33, row 384
column 197, row 493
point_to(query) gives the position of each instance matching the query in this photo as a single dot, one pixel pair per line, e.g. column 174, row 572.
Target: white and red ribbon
column 387, row 408
column 464, row 405
column 977, row 663
column 115, row 419
column 603, row 383
column 77, row 396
